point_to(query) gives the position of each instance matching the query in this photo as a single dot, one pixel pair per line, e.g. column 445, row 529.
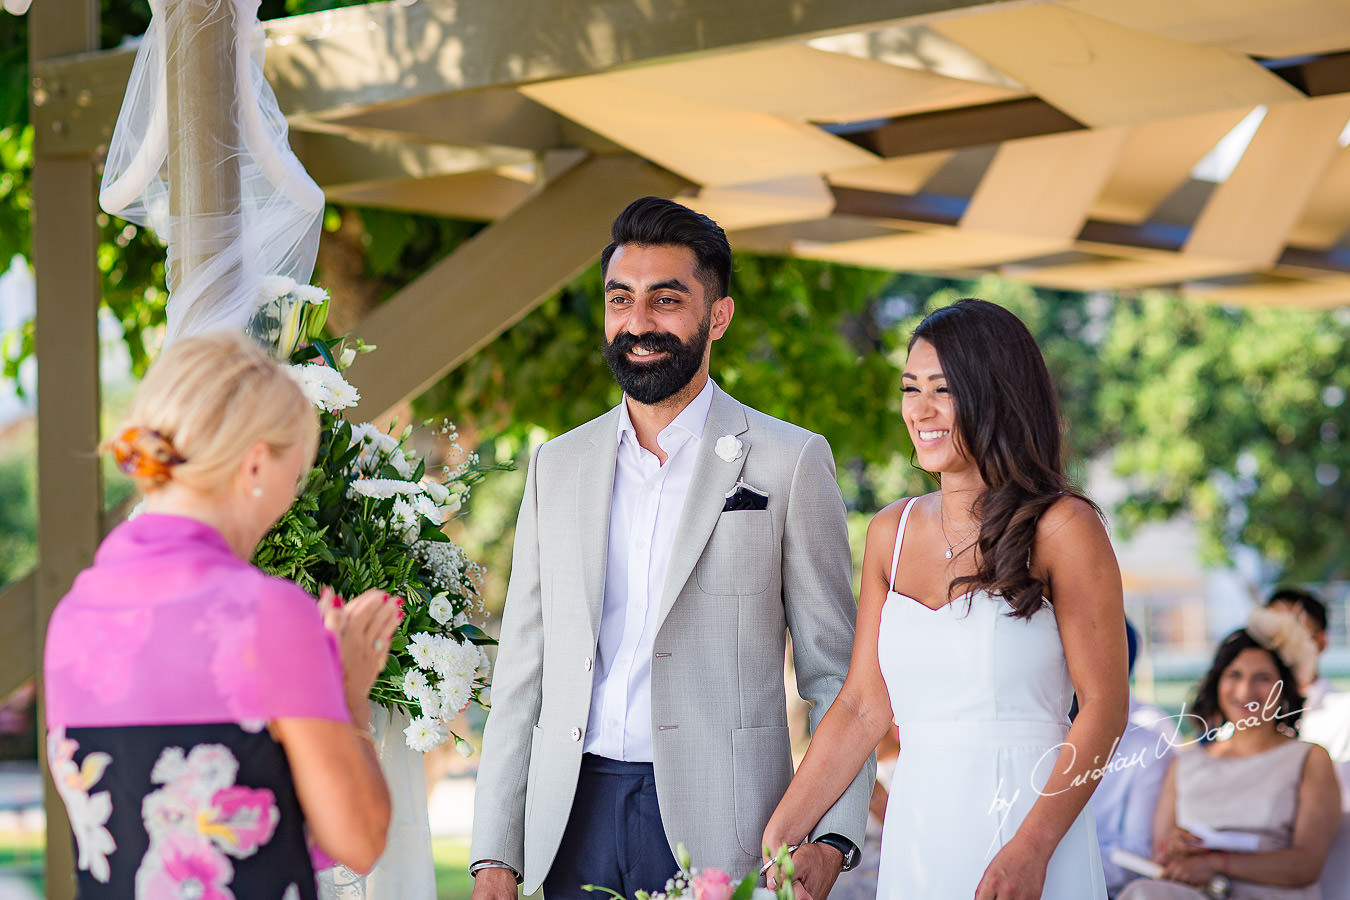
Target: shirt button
column 587, row 664
column 576, row 734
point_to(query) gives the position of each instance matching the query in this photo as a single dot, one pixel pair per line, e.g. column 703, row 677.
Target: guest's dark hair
column 657, row 222
column 1312, row 607
column 1007, row 415
column 1206, row 704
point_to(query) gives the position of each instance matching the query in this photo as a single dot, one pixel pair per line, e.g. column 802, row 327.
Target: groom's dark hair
column 657, row 222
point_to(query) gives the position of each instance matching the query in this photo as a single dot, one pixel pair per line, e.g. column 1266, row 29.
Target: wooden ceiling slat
column 1270, row 28
column 1157, row 158
column 799, row 199
column 1327, row 215
column 899, row 175
column 795, row 81
column 707, row 143
column 1250, row 216
column 1103, row 73
column 1044, row 187
column 477, row 196
column 946, row 248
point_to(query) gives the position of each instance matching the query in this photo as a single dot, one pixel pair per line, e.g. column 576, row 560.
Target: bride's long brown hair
column 1007, row 415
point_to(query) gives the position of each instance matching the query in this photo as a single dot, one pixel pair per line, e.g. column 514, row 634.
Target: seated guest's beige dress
column 1253, row 794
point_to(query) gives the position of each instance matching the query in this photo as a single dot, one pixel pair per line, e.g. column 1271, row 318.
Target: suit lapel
column 595, row 492
column 713, row 478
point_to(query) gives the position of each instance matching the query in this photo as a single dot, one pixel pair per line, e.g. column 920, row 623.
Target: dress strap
column 899, row 539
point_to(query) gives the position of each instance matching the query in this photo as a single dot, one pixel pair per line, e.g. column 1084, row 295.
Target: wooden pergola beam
column 361, row 58
column 493, row 280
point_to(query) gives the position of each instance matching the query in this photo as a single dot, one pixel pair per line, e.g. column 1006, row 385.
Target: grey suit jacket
column 738, row 581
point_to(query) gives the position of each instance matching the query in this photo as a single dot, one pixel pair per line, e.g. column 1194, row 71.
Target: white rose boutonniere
column 729, row 447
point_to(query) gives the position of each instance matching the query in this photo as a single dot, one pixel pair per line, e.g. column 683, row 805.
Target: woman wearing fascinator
column 207, row 722
column 1251, row 813
column 985, row 607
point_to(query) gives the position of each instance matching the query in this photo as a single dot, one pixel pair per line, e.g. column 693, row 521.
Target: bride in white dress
column 985, row 607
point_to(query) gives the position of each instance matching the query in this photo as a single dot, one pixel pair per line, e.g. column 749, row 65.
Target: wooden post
column 65, row 244
column 204, row 138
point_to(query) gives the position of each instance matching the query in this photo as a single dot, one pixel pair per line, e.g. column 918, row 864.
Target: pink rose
column 712, row 884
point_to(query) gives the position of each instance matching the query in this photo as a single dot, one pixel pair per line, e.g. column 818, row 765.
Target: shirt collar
column 691, row 420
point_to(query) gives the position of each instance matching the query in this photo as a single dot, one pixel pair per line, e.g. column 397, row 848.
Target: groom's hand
column 495, row 884
column 817, row 867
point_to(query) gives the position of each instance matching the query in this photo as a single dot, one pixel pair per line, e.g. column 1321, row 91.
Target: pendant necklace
column 952, row 545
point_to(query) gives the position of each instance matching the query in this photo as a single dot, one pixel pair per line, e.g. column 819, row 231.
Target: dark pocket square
column 746, row 497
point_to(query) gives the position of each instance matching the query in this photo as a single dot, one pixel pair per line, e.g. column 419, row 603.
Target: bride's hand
column 1013, row 874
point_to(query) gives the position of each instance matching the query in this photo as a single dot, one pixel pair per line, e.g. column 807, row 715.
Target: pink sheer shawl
column 168, row 627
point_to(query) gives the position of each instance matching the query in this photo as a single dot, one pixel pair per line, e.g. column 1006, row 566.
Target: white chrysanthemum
column 430, row 701
column 422, row 649
column 427, row 507
column 308, row 293
column 275, row 286
column 454, row 660
column 440, row 609
column 401, row 464
column 415, row 684
column 404, row 518
column 436, row 491
column 425, row 734
column 384, row 488
column 324, row 387
column 455, row 694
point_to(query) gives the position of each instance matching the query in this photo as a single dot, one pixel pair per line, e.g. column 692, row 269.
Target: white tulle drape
column 276, row 228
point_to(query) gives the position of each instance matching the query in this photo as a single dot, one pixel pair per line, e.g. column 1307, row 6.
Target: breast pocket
column 740, row 556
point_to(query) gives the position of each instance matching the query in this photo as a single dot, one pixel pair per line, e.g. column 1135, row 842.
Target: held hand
column 1013, row 874
column 1179, row 844
column 494, row 884
column 1193, row 869
column 363, row 628
column 817, row 867
column 774, row 838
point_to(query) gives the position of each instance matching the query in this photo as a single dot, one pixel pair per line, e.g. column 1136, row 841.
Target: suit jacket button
column 587, row 664
column 576, row 734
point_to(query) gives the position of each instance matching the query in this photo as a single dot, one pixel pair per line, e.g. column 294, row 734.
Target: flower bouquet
column 714, row 884
column 369, row 516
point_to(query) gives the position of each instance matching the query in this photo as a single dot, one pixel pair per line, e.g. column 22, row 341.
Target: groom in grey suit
column 662, row 553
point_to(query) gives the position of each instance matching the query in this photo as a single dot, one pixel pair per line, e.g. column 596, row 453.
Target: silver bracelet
column 482, row 864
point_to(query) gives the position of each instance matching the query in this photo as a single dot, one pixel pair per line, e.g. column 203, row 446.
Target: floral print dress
column 163, row 666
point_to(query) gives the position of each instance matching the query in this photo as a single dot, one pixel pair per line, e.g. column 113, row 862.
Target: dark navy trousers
column 614, row 837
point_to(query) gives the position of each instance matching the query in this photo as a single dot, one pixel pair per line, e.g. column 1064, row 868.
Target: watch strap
column 844, row 846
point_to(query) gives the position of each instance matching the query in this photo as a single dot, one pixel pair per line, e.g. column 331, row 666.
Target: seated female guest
column 1255, row 782
column 200, row 713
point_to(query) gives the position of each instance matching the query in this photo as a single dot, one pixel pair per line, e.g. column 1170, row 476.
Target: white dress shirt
column 643, row 517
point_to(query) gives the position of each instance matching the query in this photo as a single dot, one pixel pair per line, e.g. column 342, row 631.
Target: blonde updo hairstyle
column 200, row 407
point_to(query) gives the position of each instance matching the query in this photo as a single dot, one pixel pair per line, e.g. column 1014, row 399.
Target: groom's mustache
column 654, row 341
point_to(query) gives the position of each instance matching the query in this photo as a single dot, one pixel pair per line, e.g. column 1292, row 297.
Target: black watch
column 844, row 846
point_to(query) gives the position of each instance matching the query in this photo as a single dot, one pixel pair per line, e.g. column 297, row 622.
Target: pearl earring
column 257, row 491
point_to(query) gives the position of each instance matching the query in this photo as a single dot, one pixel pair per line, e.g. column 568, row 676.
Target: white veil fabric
column 276, row 228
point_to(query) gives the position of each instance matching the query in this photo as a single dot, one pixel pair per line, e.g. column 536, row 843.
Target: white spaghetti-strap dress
column 982, row 702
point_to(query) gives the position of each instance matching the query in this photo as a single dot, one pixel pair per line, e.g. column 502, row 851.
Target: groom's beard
column 650, row 383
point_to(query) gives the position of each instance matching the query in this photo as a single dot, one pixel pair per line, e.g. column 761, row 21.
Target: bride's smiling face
column 929, row 411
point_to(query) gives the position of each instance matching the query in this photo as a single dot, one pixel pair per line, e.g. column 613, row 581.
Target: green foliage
column 1237, row 418
column 18, row 517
